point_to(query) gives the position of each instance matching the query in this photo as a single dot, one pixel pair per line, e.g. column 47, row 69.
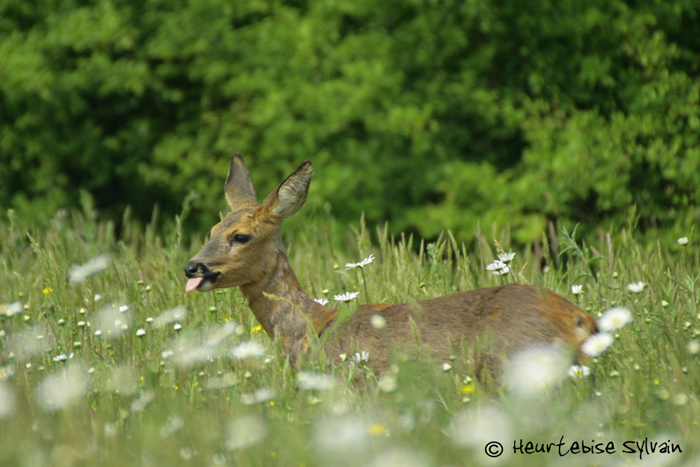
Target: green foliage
column 429, row 114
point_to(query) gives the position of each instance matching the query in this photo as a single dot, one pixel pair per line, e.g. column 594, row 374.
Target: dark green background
column 428, row 114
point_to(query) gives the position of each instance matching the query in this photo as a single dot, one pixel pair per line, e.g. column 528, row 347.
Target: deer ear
column 239, row 186
column 290, row 196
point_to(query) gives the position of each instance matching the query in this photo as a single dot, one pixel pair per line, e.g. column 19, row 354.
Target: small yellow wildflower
column 47, row 290
column 257, row 329
column 377, row 429
column 313, row 400
column 467, row 389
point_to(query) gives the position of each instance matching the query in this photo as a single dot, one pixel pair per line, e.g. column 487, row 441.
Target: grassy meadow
column 122, row 368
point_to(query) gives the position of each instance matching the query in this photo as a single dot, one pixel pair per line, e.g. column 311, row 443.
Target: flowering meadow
column 105, row 360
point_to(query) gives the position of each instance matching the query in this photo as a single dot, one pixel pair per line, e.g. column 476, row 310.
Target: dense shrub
column 428, row 114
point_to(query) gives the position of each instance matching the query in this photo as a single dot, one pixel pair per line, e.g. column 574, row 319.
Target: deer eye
column 241, row 238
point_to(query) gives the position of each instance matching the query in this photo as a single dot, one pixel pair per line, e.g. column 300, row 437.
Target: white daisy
column 635, row 287
column 614, row 318
column 361, row 264
column 576, row 289
column 245, row 431
column 532, row 372
column 597, row 344
column 322, row 301
column 361, row 356
column 60, row 358
column 495, row 266
column 683, row 241
column 311, row 381
column 247, row 350
column 62, row 388
column 11, row 309
column 387, row 383
column 579, row 371
column 80, row 273
column 498, row 267
column 346, row 297
column 169, row 316
column 378, row 321
column 261, row 395
column 506, row 257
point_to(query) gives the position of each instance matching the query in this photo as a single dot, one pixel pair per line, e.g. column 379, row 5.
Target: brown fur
column 489, row 322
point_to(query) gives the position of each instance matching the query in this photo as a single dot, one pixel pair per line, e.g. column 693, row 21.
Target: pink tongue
column 193, row 284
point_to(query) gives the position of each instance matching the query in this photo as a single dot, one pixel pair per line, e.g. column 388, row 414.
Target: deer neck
column 282, row 307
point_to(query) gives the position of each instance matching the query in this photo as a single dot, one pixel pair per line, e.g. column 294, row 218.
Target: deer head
column 243, row 246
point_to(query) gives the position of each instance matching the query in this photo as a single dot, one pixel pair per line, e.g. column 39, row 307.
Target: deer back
column 494, row 321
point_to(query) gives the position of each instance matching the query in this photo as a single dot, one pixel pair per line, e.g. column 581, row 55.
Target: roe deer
column 245, row 250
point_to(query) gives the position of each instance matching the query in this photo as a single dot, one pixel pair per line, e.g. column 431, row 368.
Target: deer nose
column 193, row 269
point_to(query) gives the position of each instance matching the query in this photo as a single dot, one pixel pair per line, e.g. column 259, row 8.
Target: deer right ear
column 239, row 186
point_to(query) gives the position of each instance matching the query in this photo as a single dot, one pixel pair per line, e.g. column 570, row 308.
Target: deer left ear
column 290, row 196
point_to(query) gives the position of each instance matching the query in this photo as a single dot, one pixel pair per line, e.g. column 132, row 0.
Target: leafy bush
column 430, row 116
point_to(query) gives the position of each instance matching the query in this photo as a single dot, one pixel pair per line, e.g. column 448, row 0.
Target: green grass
column 127, row 404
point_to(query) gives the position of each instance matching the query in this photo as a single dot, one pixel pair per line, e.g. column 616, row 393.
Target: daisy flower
column 378, row 321
column 78, row 274
column 532, row 371
column 576, row 289
column 311, row 381
column 597, row 344
column 635, row 287
column 261, row 395
column 62, row 388
column 243, row 432
column 361, row 357
column 579, row 371
column 498, row 267
column 683, row 241
column 614, row 318
column 506, row 257
column 361, row 264
column 387, row 383
column 169, row 316
column 322, row 301
column 247, row 350
column 346, row 297
column 11, row 309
